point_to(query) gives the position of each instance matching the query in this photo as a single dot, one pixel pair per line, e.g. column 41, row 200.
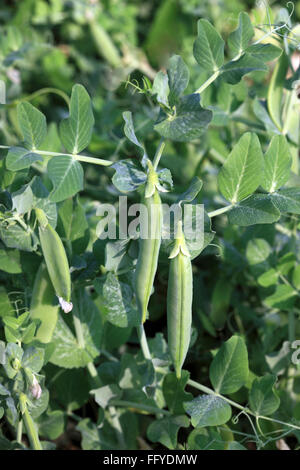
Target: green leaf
column 9, row 262
column 33, row 358
column 13, row 353
column 264, row 52
column 127, row 177
column 277, row 165
column 136, row 374
column 69, row 351
column 263, row 398
column 275, row 91
column 208, row 410
column 103, row 395
column 233, row 71
column 14, row 236
column 208, row 47
column 229, row 371
column 192, row 192
column 66, row 175
column 239, row 39
column 257, row 209
column 178, row 75
column 189, row 121
column 115, row 299
column 76, row 130
column 130, row 134
column 174, row 392
column 287, row 200
column 258, row 253
column 19, row 158
column 23, row 200
column 241, row 173
column 283, row 298
column 51, row 425
column 160, row 88
column 63, row 391
column 165, row 430
column 268, row 278
column 32, row 124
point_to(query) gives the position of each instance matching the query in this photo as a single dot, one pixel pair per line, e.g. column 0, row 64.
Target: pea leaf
column 51, row 425
column 19, row 158
column 277, row 165
column 10, row 261
column 263, row 398
column 115, row 299
column 268, row 278
column 287, row 200
column 66, row 175
column 69, row 351
column 208, row 47
column 174, row 392
column 14, row 236
column 103, row 395
column 127, row 177
column 136, row 374
column 229, row 371
column 76, row 130
column 208, row 410
column 264, row 52
column 283, row 298
column 165, row 430
column 234, row 70
column 130, row 134
column 257, row 209
column 241, row 173
column 63, row 390
column 178, row 78
column 189, row 121
column 192, row 192
column 239, row 39
column 160, row 88
column 32, row 124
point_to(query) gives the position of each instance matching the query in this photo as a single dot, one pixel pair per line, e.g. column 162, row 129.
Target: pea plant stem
column 246, row 410
column 140, row 406
column 158, row 153
column 43, row 91
column 19, row 431
column 143, row 342
column 211, row 79
column 220, row 211
column 29, row 424
column 80, row 158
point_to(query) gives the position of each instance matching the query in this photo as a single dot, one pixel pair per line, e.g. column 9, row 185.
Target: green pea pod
column 56, row 261
column 179, row 302
column 149, row 247
column 41, row 306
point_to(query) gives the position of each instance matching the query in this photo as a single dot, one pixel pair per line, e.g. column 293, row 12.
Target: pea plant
column 135, row 342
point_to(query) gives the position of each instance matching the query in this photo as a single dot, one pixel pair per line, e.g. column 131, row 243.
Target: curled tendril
column 274, row 28
column 219, row 249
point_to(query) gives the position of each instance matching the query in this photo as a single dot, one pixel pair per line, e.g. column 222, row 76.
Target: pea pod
column 56, row 261
column 149, row 247
column 179, row 301
column 41, row 306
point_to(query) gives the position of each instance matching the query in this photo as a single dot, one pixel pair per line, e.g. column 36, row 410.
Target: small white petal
column 66, row 306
